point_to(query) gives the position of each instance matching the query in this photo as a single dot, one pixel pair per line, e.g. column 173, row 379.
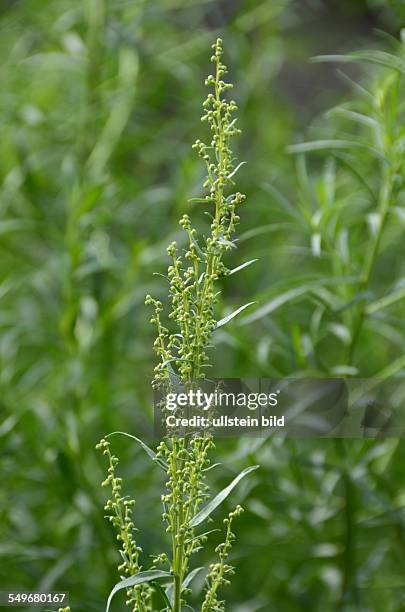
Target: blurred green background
column 99, row 105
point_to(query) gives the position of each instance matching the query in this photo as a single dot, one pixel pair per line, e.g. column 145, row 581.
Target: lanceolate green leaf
column 174, row 379
column 275, row 303
column 197, row 248
column 373, row 56
column 206, row 200
column 144, row 446
column 330, row 145
column 283, row 203
column 141, row 578
column 290, row 292
column 188, row 579
column 354, row 116
column 236, row 169
column 218, row 499
column 271, row 228
column 163, row 594
column 244, row 265
column 386, row 301
column 233, row 314
column 186, row 582
column 200, row 535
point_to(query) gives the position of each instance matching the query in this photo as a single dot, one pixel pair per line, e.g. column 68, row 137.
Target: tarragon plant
column 182, row 351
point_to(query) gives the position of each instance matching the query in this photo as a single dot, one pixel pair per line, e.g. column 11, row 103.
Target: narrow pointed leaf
column 392, row 369
column 200, row 535
column 200, row 200
column 264, row 229
column 197, row 248
column 275, row 303
column 373, row 56
column 283, row 202
column 174, row 378
column 244, row 265
column 225, row 242
column 354, row 116
column 233, row 314
column 187, row 580
column 218, row 499
column 236, row 169
column 211, row 467
column 163, row 594
column 359, row 89
column 386, row 301
column 141, row 578
column 330, row 144
column 144, row 446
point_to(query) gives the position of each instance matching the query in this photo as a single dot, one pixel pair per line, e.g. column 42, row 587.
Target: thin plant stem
column 369, row 264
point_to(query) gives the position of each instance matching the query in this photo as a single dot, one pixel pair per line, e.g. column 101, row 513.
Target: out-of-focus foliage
column 344, row 308
column 99, row 105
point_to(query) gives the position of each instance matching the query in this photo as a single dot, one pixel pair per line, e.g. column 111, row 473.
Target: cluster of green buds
column 185, row 492
column 186, row 489
column 192, row 274
column 219, row 572
column 119, row 512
